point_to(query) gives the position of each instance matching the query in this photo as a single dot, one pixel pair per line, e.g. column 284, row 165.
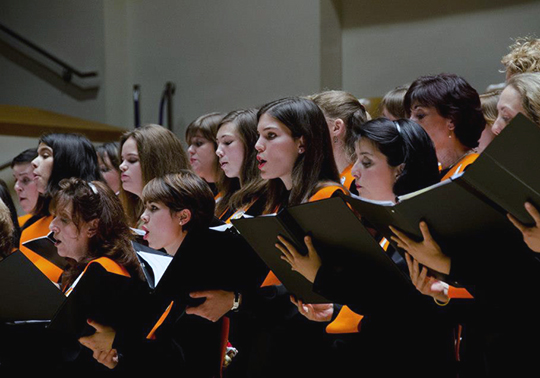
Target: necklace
column 459, row 159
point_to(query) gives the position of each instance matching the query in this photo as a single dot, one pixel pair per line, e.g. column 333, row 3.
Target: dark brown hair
column 113, row 236
column 239, row 192
column 183, row 190
column 312, row 168
column 453, row 98
column 206, row 125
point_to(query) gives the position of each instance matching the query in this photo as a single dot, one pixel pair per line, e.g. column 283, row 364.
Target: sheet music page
column 158, row 263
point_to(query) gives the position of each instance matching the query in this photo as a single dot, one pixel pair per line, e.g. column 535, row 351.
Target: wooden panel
column 32, row 122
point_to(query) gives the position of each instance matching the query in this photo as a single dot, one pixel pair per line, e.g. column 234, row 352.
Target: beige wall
column 386, row 45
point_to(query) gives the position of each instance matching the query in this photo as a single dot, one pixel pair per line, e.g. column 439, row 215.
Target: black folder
column 471, row 208
column 208, row 260
column 25, row 292
column 107, row 298
column 337, row 234
column 44, row 246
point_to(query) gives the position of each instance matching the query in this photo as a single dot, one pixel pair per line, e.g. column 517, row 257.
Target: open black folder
column 25, row 292
column 211, row 259
column 471, row 208
column 44, row 246
column 337, row 234
column 107, row 298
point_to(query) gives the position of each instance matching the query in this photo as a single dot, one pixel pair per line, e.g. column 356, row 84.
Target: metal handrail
column 68, row 70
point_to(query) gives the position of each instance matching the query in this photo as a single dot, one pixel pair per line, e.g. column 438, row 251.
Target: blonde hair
column 523, row 57
column 341, row 104
column 489, row 105
column 6, row 230
column 528, row 87
column 393, row 102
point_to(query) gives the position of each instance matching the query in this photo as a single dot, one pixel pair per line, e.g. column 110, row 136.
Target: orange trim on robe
column 348, row 321
column 23, row 218
column 461, row 165
column 346, row 177
column 458, row 293
column 455, row 292
column 110, row 266
column 38, row 229
column 152, row 334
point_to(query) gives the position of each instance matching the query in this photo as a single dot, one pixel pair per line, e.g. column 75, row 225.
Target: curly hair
column 113, row 236
column 524, row 56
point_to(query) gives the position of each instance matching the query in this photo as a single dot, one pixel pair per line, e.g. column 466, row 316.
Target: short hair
column 402, row 142
column 206, row 125
column 393, row 102
column 528, row 87
column 524, row 56
column 7, row 230
column 340, row 104
column 91, row 201
column 240, row 192
column 160, row 153
column 110, row 150
column 489, row 105
column 74, row 156
column 24, row 157
column 453, row 98
column 183, row 190
column 316, row 165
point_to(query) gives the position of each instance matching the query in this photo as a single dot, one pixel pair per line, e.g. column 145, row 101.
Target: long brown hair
column 240, row 192
column 113, row 236
column 313, row 168
column 160, row 152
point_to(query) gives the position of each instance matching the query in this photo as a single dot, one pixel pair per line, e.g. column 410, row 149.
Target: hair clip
column 93, row 187
column 397, row 126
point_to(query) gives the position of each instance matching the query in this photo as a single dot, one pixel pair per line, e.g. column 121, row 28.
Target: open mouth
column 145, row 237
column 54, row 240
column 261, row 161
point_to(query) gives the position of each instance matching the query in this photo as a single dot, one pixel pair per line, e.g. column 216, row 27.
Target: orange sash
column 455, row 292
column 38, row 229
column 346, row 177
